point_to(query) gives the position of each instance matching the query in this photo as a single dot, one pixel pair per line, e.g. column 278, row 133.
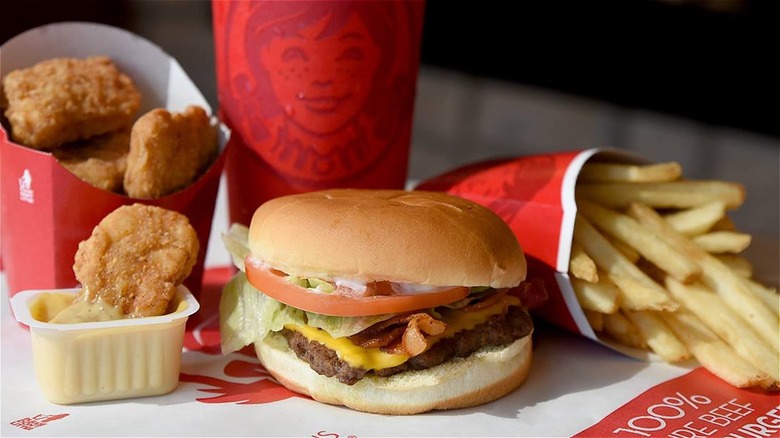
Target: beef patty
column 496, row 331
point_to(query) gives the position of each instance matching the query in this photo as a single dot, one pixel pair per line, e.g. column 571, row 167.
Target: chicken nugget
column 168, row 151
column 100, row 161
column 62, row 100
column 135, row 259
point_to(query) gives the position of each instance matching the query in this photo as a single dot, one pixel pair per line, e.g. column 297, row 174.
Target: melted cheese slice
column 376, row 359
column 355, row 355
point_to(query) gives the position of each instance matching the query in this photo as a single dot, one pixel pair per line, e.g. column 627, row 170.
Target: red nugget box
column 46, row 210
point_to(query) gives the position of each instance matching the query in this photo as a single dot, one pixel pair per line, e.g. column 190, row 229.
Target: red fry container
column 46, row 210
column 535, row 197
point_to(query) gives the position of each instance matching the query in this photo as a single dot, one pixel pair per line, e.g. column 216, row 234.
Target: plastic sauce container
column 111, row 360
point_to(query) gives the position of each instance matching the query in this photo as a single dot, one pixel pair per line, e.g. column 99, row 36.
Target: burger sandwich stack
column 385, row 301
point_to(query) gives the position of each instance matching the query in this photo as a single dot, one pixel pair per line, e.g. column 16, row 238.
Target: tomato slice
column 276, row 287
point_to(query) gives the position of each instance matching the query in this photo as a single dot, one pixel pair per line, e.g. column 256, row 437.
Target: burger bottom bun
column 485, row 376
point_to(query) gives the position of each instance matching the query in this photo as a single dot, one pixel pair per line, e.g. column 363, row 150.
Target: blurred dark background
column 712, row 61
column 708, row 60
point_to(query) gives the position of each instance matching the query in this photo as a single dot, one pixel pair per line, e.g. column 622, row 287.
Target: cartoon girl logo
column 322, row 91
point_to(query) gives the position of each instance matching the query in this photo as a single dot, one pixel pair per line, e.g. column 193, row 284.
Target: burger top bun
column 416, row 237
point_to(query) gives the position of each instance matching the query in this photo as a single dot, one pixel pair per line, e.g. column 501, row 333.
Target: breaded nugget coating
column 62, row 100
column 135, row 258
column 100, row 161
column 168, row 151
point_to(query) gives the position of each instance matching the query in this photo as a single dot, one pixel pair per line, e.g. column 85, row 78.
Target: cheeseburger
column 385, row 301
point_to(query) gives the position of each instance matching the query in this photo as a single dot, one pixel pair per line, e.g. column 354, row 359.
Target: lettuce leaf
column 247, row 315
column 236, row 241
column 342, row 326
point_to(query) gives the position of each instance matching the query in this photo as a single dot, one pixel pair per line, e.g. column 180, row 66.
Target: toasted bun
column 415, row 237
column 482, row 377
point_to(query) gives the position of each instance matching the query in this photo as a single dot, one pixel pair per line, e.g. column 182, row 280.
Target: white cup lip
column 20, row 304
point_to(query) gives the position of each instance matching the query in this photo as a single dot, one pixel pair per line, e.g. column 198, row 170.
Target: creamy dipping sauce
column 87, row 311
column 64, row 309
column 79, row 362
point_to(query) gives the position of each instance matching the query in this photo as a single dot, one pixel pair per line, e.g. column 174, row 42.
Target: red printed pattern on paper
column 263, row 390
column 697, row 404
column 203, row 335
column 34, row 422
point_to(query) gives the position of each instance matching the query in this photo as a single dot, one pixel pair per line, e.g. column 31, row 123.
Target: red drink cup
column 318, row 95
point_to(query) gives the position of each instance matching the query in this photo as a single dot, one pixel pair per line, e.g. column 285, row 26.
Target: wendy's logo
column 263, row 388
column 242, row 379
column 319, row 90
column 26, row 193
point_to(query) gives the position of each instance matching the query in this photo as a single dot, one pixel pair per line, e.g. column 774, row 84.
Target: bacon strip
column 532, row 293
column 407, row 334
column 486, row 302
column 414, row 341
column 402, row 334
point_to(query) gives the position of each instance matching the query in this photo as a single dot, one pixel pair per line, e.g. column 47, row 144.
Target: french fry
column 716, row 315
column 769, row 385
column 714, row 354
column 719, row 242
column 737, row 263
column 644, row 241
column 652, row 271
column 595, row 319
column 724, row 224
column 599, row 297
column 658, row 336
column 766, row 294
column 717, row 276
column 728, row 321
column 677, row 194
column 637, row 295
column 630, row 253
column 620, row 328
column 603, row 172
column 639, row 292
column 697, row 220
column 581, row 265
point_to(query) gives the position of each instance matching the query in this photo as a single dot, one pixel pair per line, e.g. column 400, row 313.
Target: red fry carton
column 46, row 210
column 535, row 196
